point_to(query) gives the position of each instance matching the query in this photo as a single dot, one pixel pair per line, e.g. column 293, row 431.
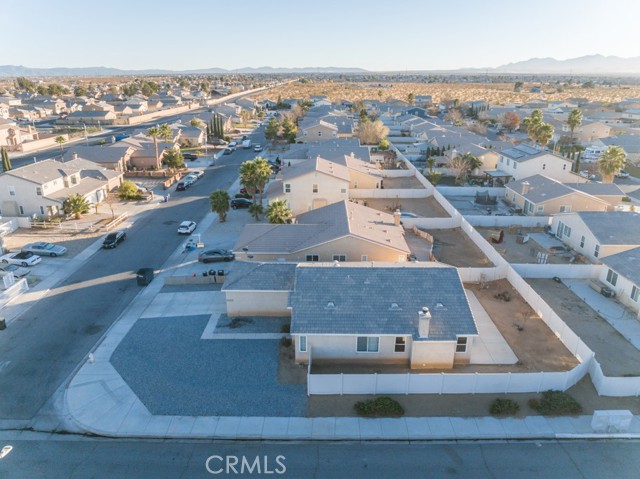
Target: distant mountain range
column 586, row 65
column 19, row 70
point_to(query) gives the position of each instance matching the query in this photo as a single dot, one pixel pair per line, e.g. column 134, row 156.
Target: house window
column 635, row 293
column 367, row 344
column 582, row 238
column 343, row 190
column 540, row 209
column 339, row 257
column 302, row 344
column 21, row 210
column 507, row 161
column 42, row 210
column 12, row 191
column 319, row 133
column 287, row 187
column 565, row 209
column 74, row 180
column 312, row 257
column 564, row 167
column 364, row 257
column 461, row 345
column 400, row 344
column 315, row 188
column 502, row 159
column 567, row 231
column 596, row 251
column 612, row 277
column 38, row 191
column 515, row 165
column 544, row 166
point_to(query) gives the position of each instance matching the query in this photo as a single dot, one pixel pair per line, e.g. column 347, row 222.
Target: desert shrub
column 285, row 328
column 504, row 407
column 242, row 195
column 379, row 407
column 555, row 402
column 286, row 342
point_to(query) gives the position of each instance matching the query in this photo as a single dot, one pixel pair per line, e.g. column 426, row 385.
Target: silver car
column 45, row 249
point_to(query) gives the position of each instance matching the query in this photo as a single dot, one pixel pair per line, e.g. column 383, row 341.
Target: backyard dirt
column 452, row 246
column 288, row 371
column 426, row 207
column 616, row 355
column 466, row 405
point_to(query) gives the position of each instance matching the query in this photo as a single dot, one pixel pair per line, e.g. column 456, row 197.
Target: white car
column 190, row 178
column 622, row 174
column 198, row 173
column 21, row 259
column 187, row 227
column 17, row 271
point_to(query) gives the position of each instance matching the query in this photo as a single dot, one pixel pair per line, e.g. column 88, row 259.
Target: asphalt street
column 103, row 458
column 42, row 347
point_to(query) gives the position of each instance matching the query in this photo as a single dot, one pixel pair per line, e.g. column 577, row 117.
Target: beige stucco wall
column 318, row 133
column 353, row 248
column 343, row 348
column 360, row 180
column 549, row 165
column 257, row 303
column 25, row 196
column 433, row 354
column 576, row 201
column 301, row 198
column 623, row 289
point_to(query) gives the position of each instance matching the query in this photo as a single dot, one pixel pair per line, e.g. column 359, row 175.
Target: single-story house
column 622, row 275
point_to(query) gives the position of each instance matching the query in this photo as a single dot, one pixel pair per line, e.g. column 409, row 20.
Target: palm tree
column 544, row 133
column 279, row 213
column 219, row 200
column 611, row 161
column 6, row 162
column 154, row 133
column 431, row 161
column 248, row 178
column 473, row 162
column 60, row 140
column 263, row 171
column 76, row 205
column 256, row 211
column 165, row 132
column 574, row 120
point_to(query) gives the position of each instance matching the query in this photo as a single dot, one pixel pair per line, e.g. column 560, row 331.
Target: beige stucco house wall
column 257, row 303
column 313, row 190
column 571, row 202
column 319, row 132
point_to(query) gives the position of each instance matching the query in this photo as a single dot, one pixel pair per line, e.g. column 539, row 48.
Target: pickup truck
column 246, row 144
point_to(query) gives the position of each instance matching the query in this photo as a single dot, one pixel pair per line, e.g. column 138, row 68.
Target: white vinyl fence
column 505, row 221
column 579, row 271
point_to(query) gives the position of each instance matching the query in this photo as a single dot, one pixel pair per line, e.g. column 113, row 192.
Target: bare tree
column 454, row 116
column 460, row 165
column 510, row 120
column 371, row 132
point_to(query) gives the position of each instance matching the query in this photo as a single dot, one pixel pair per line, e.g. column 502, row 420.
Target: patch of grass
column 504, row 407
column 555, row 403
column 379, row 407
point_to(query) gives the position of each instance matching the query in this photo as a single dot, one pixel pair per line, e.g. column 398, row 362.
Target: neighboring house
column 333, row 150
column 113, row 157
column 622, row 275
column 10, row 135
column 423, row 100
column 192, row 136
column 412, row 316
column 489, row 158
column 40, row 189
column 99, row 106
column 417, row 111
column 629, row 143
column 317, row 130
column 311, row 184
column 540, row 195
column 4, row 111
column 597, row 235
column 523, row 161
column 343, row 231
column 362, row 174
column 144, row 156
column 88, row 117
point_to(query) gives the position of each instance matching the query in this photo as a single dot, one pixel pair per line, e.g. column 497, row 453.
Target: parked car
column 187, row 227
column 45, row 249
column 191, row 179
column 622, row 174
column 227, row 151
column 17, row 271
column 214, row 255
column 189, row 156
column 198, row 173
column 240, row 203
column 183, row 185
column 113, row 239
column 21, row 258
column 233, row 144
column 257, row 148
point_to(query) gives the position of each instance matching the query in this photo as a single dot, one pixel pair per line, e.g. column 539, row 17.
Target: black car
column 113, row 239
column 183, row 185
column 241, row 203
column 189, row 156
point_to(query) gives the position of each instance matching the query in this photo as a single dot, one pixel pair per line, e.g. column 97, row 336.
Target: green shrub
column 555, row 403
column 379, row 407
column 285, row 328
column 506, row 407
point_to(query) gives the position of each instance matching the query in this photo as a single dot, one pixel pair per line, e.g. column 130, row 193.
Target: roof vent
column 394, row 307
column 439, row 306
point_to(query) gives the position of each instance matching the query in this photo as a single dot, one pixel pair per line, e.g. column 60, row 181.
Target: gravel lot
column 174, row 372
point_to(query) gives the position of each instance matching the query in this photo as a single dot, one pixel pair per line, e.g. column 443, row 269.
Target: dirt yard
column 452, row 246
column 466, row 405
column 425, row 207
column 616, row 355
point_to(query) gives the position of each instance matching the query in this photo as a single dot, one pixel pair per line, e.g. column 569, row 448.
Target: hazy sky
column 371, row 34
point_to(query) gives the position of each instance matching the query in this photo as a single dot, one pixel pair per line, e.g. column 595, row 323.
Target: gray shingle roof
column 248, row 276
column 613, row 227
column 522, row 153
column 541, row 188
column 597, row 189
column 380, row 301
column 626, row 264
